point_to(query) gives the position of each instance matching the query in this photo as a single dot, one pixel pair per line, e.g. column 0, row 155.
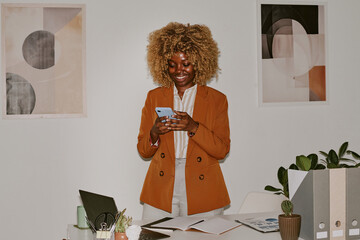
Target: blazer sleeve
column 215, row 141
column 147, row 120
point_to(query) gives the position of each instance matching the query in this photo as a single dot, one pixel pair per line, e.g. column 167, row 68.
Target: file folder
column 337, row 183
column 312, row 201
column 352, row 203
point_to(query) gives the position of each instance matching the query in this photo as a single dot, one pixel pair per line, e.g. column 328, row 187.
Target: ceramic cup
column 81, row 221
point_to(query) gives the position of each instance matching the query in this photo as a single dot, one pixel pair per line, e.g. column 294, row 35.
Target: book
column 213, row 225
column 150, row 226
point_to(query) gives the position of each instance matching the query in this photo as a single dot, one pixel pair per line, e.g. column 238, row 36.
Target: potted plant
column 311, row 162
column 339, row 159
column 122, row 223
column 304, row 163
column 289, row 223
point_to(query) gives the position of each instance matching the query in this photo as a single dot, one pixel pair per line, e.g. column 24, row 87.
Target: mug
column 81, row 221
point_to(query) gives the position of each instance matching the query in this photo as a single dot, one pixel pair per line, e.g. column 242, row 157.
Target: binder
column 312, row 201
column 352, row 203
column 329, row 202
column 337, row 182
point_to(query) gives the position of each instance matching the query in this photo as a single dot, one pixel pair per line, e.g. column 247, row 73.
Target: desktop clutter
column 325, row 194
column 100, row 214
column 106, row 222
column 120, row 229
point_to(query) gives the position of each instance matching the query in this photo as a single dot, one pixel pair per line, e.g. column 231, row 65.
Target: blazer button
column 162, row 155
column 201, row 177
column 161, row 173
column 199, row 159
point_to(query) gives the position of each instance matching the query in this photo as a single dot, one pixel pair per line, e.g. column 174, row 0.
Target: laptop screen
column 98, row 208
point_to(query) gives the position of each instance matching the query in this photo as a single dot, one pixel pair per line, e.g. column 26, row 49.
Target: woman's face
column 181, row 70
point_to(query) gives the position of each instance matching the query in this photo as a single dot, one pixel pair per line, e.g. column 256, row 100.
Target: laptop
column 99, row 208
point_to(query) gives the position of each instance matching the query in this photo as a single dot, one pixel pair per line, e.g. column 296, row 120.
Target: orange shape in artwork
column 317, row 82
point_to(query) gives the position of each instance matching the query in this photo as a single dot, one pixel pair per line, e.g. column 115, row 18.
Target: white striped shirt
column 186, row 104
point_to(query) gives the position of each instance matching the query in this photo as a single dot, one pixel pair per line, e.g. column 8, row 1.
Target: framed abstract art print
column 292, row 52
column 43, row 60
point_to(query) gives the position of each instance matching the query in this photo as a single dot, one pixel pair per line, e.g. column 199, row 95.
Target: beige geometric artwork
column 43, row 60
column 292, row 61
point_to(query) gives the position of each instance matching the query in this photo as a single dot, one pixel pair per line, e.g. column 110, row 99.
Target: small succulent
column 287, row 207
column 123, row 222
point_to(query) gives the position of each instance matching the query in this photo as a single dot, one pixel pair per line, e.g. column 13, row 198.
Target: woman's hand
column 183, row 123
column 160, row 127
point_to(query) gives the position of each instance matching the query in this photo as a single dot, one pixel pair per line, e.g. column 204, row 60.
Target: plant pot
column 289, row 226
column 120, row 236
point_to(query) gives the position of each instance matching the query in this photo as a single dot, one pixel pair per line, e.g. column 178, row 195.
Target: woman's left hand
column 183, row 123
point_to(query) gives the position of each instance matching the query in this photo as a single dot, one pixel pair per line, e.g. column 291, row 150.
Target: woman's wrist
column 154, row 137
column 194, row 129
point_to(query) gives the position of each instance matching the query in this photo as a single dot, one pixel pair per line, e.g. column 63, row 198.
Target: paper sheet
column 182, row 223
column 216, row 225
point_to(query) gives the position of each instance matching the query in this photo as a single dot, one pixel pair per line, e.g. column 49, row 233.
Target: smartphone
column 164, row 111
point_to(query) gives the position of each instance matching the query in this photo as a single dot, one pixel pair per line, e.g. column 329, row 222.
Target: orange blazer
column 205, row 185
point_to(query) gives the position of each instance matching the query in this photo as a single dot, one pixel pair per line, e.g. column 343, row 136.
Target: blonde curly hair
column 194, row 40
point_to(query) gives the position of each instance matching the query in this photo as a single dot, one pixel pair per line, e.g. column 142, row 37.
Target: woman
column 184, row 176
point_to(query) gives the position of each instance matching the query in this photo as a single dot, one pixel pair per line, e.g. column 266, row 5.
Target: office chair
column 256, row 202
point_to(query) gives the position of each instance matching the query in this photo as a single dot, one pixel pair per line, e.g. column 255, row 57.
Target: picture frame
column 292, row 53
column 43, row 60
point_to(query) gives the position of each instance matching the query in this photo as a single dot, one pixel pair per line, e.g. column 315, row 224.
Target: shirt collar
column 191, row 89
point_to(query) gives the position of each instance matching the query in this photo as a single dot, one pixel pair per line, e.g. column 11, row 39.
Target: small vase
column 120, row 236
column 289, row 226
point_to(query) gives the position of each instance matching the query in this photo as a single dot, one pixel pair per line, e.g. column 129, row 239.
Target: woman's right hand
column 159, row 128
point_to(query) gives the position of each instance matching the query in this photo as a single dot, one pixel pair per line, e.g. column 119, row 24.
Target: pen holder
column 81, row 221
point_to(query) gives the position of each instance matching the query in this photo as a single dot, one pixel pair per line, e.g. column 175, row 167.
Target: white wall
column 44, row 162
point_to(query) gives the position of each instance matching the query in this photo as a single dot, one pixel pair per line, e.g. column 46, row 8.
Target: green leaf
column 282, row 176
column 286, row 190
column 303, row 163
column 354, row 154
column 343, row 149
column 347, row 160
column 324, row 162
column 332, row 165
column 314, row 160
column 323, row 153
column 285, row 181
column 333, row 157
column 320, row 166
column 271, row 188
column 293, row 167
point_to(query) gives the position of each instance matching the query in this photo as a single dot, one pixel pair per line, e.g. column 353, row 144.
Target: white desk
column 239, row 233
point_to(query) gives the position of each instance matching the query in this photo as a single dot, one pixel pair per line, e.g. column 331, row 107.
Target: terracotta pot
column 289, row 226
column 120, row 236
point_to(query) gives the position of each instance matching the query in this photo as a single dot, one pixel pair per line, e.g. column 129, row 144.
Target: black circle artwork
column 39, row 49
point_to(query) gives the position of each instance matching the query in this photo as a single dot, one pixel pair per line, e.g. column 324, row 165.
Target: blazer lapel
column 169, row 137
column 199, row 113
